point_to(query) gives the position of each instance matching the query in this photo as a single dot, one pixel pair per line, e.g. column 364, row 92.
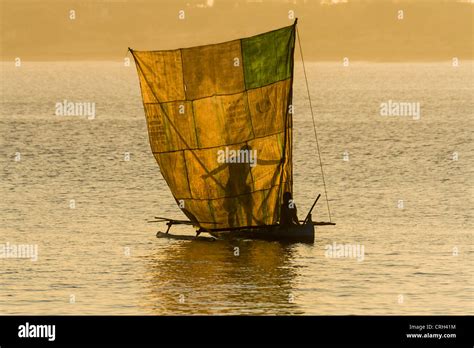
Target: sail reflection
column 199, row 278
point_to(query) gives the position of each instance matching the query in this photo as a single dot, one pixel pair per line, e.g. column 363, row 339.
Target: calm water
column 104, row 258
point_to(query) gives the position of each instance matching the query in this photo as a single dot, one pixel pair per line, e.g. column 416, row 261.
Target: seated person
column 288, row 216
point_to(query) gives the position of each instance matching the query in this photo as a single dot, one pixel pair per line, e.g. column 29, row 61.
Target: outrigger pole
column 316, row 223
column 309, row 212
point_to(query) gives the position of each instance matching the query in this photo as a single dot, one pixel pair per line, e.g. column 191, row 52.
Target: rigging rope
column 314, row 123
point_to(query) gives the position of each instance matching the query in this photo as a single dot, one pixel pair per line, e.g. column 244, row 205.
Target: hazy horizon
column 359, row 30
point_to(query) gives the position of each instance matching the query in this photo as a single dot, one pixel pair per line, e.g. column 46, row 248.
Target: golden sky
column 360, row 30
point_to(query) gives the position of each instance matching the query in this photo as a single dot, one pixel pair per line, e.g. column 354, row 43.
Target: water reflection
column 197, row 277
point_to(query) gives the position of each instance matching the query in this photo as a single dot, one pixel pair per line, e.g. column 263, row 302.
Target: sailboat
column 220, row 127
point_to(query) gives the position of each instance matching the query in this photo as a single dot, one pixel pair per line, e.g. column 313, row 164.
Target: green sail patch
column 267, row 58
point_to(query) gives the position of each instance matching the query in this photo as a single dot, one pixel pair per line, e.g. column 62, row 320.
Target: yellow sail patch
column 213, row 70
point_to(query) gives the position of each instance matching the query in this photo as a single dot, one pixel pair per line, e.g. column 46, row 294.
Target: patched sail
column 220, row 126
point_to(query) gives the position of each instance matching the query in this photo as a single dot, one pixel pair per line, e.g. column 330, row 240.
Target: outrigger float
column 229, row 98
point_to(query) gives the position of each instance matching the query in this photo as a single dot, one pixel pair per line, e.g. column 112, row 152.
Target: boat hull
column 292, row 234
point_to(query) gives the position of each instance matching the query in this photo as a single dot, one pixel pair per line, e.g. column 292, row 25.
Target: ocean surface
column 81, row 190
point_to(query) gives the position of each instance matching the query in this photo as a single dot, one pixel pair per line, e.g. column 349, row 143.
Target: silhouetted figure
column 288, row 216
column 238, row 187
